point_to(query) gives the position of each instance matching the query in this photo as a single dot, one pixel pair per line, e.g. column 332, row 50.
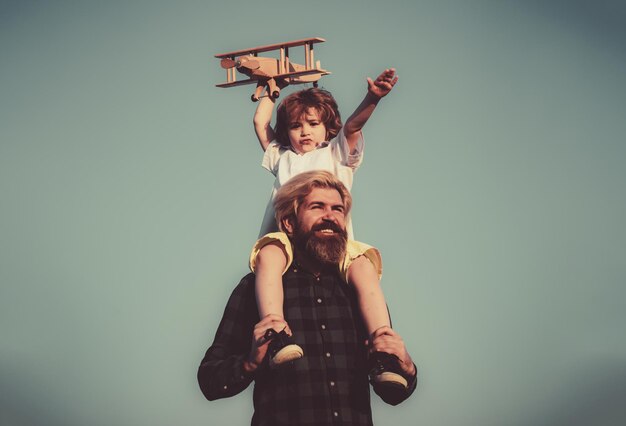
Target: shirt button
column 332, row 383
column 323, row 327
column 336, row 414
column 225, row 387
column 319, row 300
column 295, row 270
column 327, row 354
column 317, row 278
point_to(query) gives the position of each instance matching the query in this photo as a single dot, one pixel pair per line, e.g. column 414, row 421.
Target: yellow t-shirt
column 354, row 249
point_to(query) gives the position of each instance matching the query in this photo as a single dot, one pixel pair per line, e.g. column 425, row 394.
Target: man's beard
column 328, row 250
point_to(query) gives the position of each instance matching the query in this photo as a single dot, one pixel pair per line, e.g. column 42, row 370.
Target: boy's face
column 306, row 132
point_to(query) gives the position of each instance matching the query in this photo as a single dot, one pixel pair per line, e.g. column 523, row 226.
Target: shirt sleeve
column 271, row 157
column 341, row 150
column 221, row 372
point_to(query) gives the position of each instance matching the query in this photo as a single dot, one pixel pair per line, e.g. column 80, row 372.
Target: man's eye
column 314, row 123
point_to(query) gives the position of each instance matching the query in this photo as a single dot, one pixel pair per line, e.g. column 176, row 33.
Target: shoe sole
column 286, row 354
column 389, row 378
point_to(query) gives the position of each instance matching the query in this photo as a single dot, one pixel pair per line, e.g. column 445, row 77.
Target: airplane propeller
column 251, row 64
column 227, row 63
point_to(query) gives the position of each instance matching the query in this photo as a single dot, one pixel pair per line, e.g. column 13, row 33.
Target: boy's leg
column 364, row 277
column 268, row 261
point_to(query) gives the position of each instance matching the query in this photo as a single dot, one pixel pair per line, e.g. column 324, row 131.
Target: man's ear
column 288, row 225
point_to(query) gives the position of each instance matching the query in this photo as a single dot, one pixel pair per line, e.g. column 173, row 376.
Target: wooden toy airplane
column 272, row 72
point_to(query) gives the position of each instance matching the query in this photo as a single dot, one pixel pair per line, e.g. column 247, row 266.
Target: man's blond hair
column 291, row 195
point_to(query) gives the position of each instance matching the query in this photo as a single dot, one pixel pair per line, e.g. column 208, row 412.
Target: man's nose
column 329, row 215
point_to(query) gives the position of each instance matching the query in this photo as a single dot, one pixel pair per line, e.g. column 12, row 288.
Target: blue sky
column 492, row 183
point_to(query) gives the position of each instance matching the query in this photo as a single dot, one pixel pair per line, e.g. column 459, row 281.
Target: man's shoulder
column 245, row 284
column 242, row 297
column 244, row 289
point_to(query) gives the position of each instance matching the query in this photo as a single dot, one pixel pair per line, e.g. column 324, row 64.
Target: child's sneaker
column 282, row 348
column 385, row 370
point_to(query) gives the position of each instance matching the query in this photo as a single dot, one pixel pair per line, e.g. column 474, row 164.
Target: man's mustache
column 328, row 225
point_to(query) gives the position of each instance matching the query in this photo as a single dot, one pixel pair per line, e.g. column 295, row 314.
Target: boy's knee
column 362, row 262
column 273, row 253
column 362, row 266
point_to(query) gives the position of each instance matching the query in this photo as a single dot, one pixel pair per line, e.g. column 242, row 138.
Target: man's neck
column 311, row 265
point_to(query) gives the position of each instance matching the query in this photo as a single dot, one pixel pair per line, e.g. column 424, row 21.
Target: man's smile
column 326, row 229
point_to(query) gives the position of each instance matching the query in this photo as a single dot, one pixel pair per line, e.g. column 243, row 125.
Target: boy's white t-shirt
column 333, row 156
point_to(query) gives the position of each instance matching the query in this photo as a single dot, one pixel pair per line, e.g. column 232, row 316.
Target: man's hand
column 383, row 83
column 260, row 343
column 385, row 339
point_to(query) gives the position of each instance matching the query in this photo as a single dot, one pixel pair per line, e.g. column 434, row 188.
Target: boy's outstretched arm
column 262, row 119
column 376, row 89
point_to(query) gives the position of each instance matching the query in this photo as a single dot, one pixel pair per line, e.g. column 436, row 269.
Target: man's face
column 320, row 228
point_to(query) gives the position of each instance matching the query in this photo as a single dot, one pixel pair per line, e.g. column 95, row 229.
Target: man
column 329, row 385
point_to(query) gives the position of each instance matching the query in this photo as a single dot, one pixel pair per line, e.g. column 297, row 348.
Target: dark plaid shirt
column 328, row 386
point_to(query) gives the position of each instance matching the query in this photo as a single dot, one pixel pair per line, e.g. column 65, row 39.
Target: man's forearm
column 223, row 378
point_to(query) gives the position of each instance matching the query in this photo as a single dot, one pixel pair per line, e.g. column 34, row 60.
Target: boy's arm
column 376, row 89
column 262, row 118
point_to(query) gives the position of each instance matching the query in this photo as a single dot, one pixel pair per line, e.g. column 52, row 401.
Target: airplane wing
column 270, row 47
column 237, row 83
column 279, row 76
column 303, row 72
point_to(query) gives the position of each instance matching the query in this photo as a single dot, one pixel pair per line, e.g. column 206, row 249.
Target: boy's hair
column 291, row 195
column 296, row 105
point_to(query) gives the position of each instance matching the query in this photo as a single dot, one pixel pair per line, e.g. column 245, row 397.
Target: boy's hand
column 383, row 83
